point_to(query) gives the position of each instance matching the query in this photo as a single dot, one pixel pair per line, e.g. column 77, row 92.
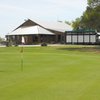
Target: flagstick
column 23, row 42
column 22, row 58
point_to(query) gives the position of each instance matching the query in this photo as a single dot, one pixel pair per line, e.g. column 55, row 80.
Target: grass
column 50, row 73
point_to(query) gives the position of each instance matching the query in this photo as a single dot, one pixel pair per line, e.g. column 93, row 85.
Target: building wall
column 80, row 38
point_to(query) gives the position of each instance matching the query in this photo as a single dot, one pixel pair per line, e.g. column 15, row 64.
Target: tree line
column 90, row 20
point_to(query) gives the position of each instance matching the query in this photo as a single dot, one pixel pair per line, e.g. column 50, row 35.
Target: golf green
column 50, row 73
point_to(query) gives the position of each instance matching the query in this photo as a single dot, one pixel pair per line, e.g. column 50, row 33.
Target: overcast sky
column 14, row 12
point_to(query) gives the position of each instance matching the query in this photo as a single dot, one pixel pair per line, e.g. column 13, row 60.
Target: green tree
column 90, row 18
column 67, row 22
column 89, row 2
column 76, row 24
column 93, row 3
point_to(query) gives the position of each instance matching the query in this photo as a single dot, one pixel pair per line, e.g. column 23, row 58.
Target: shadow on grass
column 6, row 71
column 82, row 48
column 2, row 71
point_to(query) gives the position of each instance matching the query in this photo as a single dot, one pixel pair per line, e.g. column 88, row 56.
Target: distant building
column 38, row 32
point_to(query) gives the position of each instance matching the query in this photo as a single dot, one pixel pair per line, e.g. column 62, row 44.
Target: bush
column 44, row 44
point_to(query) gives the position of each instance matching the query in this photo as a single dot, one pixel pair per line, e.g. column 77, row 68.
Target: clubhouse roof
column 40, row 27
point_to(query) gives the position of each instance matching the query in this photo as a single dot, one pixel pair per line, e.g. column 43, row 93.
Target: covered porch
column 32, row 39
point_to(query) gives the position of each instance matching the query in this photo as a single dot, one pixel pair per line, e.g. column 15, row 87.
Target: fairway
column 50, row 73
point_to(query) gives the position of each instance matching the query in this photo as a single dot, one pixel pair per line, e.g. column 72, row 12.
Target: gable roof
column 55, row 26
column 31, row 30
column 40, row 27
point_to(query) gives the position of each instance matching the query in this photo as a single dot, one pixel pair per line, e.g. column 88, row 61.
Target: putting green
column 50, row 73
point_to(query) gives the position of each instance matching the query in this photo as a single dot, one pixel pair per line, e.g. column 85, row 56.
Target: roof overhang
column 31, row 30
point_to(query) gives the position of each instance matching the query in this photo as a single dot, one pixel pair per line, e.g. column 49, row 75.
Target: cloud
column 62, row 8
column 47, row 7
column 7, row 7
column 38, row 5
column 67, row 3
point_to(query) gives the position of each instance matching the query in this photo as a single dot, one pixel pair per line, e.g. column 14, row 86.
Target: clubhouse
column 35, row 32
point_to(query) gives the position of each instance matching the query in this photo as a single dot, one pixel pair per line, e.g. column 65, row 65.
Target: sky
column 14, row 12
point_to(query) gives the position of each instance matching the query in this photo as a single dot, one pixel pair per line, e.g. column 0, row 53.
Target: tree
column 76, row 24
column 67, row 22
column 90, row 18
column 89, row 2
column 93, row 3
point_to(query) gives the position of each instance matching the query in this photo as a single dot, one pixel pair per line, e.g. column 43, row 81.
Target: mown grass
column 50, row 73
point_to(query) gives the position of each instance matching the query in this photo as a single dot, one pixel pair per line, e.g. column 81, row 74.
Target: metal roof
column 57, row 26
